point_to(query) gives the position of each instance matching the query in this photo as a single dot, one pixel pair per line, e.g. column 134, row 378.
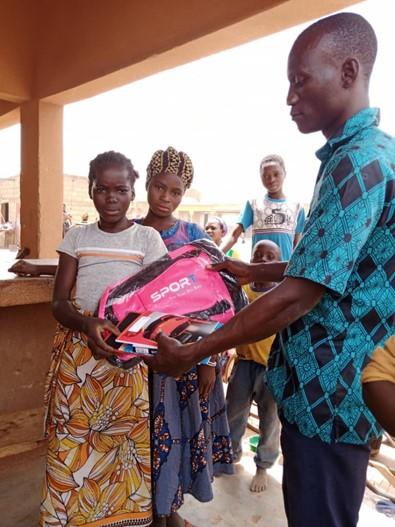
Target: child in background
column 216, row 228
column 97, row 424
column 248, row 383
column 274, row 218
column 378, row 382
column 190, row 434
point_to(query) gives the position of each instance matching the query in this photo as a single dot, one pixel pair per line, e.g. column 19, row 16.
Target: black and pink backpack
column 179, row 284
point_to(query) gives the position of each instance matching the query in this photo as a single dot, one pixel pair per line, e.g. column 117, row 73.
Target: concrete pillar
column 41, row 177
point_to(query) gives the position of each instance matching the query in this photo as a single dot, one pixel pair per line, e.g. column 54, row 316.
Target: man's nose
column 292, row 97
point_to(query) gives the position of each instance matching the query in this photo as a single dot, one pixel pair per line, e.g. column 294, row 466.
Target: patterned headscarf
column 172, row 162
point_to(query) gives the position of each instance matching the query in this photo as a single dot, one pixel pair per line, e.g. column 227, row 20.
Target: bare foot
column 259, row 481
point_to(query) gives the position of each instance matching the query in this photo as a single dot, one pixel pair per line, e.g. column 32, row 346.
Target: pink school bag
column 177, row 284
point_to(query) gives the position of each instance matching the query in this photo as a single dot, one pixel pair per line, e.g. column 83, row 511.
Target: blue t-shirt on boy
column 277, row 220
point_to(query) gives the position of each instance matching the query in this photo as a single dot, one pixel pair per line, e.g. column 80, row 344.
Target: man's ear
column 350, row 72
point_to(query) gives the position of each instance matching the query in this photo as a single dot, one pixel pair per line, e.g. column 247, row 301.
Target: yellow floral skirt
column 98, row 471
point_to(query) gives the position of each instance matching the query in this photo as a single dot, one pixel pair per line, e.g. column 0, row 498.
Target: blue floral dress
column 190, row 435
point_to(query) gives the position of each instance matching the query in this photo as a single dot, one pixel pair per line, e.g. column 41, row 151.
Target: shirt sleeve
column 196, row 233
column 246, row 218
column 300, row 221
column 155, row 247
column 346, row 211
column 69, row 243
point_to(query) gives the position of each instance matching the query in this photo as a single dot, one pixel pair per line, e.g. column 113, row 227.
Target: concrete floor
column 235, row 506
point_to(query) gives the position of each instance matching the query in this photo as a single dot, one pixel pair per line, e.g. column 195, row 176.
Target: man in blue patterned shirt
column 336, row 301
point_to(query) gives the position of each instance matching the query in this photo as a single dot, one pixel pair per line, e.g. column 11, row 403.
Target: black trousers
column 323, row 484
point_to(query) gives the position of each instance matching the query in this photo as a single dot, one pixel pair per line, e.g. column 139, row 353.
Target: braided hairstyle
column 270, row 160
column 170, row 161
column 111, row 159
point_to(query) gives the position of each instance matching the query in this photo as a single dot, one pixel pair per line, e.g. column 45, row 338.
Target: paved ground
column 235, row 506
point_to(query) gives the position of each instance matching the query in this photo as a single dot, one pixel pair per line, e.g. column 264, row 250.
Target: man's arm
column 272, row 312
column 247, row 273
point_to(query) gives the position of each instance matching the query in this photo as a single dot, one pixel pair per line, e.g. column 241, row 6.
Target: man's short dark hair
column 351, row 37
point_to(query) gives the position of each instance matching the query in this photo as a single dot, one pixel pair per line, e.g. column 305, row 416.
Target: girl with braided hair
column 190, row 433
column 169, row 175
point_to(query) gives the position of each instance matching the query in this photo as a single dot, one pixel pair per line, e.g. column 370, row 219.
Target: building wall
column 26, row 338
column 78, row 203
column 77, row 199
column 9, row 193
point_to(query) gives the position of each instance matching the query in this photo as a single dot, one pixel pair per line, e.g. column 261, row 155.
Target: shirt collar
column 364, row 119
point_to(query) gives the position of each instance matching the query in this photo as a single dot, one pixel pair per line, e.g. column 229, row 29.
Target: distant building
column 79, row 205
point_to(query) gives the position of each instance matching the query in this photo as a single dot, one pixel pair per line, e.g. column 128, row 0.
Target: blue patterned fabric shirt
column 348, row 245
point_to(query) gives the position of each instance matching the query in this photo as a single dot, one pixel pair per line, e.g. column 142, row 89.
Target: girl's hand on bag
column 206, row 379
column 94, row 328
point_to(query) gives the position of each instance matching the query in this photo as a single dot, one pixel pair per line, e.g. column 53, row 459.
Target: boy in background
column 378, row 382
column 248, row 383
column 274, row 217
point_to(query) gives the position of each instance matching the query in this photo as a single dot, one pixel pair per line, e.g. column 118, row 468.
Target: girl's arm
column 22, row 268
column 267, row 315
column 65, row 312
column 62, row 307
column 232, row 238
column 206, row 379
